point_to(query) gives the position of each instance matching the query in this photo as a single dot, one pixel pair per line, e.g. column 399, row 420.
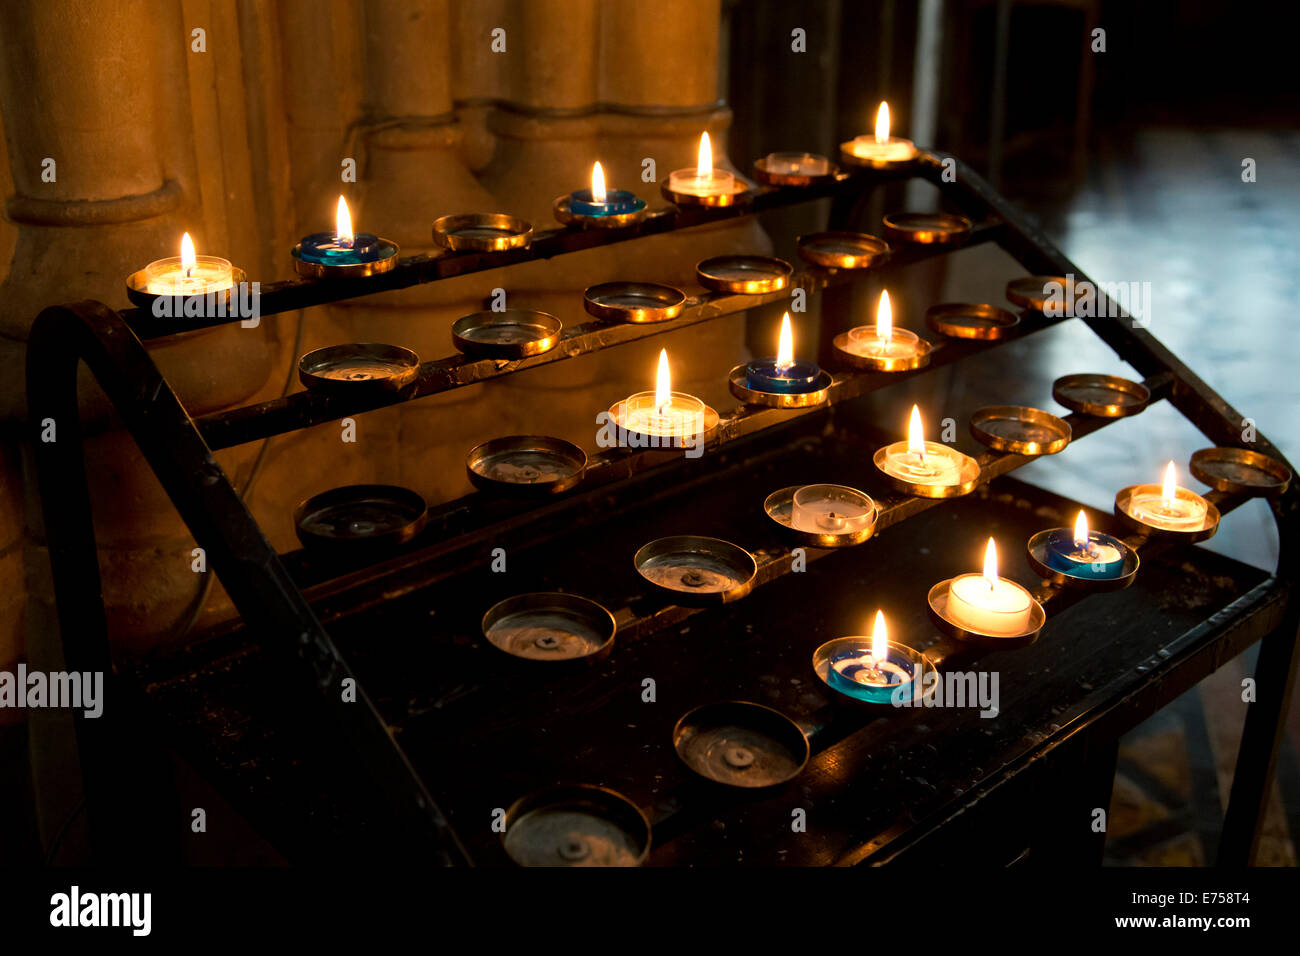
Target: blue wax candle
column 854, row 672
column 762, row 375
column 618, row 202
column 324, row 248
column 1100, row 560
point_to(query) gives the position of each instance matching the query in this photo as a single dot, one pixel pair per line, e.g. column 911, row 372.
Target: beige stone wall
column 242, row 146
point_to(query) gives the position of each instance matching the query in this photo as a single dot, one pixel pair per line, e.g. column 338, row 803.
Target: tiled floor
column 1168, row 207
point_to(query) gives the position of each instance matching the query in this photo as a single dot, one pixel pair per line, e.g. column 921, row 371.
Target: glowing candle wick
column 882, row 123
column 704, row 163
column 884, row 320
column 343, row 225
column 991, row 565
column 785, row 346
column 597, row 183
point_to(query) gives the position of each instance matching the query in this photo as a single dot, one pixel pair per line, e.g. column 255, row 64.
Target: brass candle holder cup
column 529, row 465
column 550, row 627
column 843, row 250
column 927, row 228
column 939, row 601
column 576, row 825
column 1102, row 396
column 825, row 515
column 858, row 349
column 749, row 275
column 1039, row 552
column 358, row 368
column 904, row 471
column 794, row 169
column 962, row 320
column 360, row 517
column 482, row 232
column 1134, row 504
column 738, row 378
column 694, row 571
column 736, row 743
column 1042, row 293
column 1239, row 471
column 382, row 258
column 509, row 335
column 1020, row 430
column 564, row 214
column 634, row 301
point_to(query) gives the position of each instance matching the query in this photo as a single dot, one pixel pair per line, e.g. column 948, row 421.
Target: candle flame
column 663, row 381
column 991, row 564
column 915, row 434
column 704, row 168
column 188, row 259
column 1081, row 531
column 1170, row 490
column 785, row 346
column 882, row 123
column 884, row 317
column 879, row 638
column 343, row 224
column 597, row 183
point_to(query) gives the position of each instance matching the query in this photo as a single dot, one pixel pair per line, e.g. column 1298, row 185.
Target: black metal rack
column 271, row 591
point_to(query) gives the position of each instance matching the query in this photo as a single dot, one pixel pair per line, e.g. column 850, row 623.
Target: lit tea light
column 875, row 671
column 1168, row 507
column 343, row 251
column 783, row 375
column 883, row 340
column 1086, row 554
column 920, row 463
column 704, row 183
column 880, row 150
column 662, row 413
column 599, row 202
column 987, row 604
column 188, row 274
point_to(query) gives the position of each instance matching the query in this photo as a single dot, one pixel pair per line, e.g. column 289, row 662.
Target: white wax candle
column 996, row 607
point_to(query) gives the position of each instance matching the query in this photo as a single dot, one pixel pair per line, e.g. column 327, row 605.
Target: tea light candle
column 882, row 340
column 922, row 462
column 830, row 509
column 1085, row 554
column 343, row 247
column 881, row 149
column 877, row 674
column 662, row 413
column 703, row 180
column 188, row 274
column 599, row 201
column 1169, row 508
column 987, row 604
column 783, row 374
column 796, row 164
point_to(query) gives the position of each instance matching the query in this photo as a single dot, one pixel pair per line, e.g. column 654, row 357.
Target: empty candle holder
column 529, row 465
column 509, row 335
column 740, row 744
column 694, row 571
column 1167, row 510
column 599, row 207
column 794, row 169
column 842, row 250
column 823, row 516
column 964, row 320
column 749, row 275
column 361, row 367
column 927, row 228
column 1101, row 396
column 360, row 517
column 550, row 627
column 1047, row 294
column 343, row 253
column 1239, row 471
column 634, row 301
column 1019, row 430
column 576, row 825
column 984, row 608
column 1082, row 558
column 482, row 232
